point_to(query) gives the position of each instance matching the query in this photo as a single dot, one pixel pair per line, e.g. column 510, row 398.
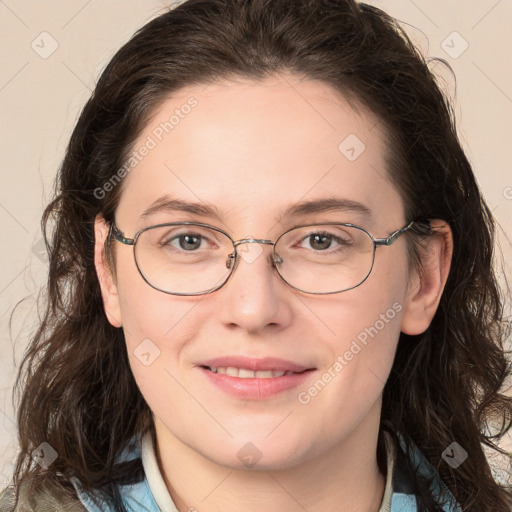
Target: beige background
column 40, row 99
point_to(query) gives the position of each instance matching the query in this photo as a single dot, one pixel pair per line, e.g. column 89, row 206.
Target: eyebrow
column 324, row 205
column 330, row 204
column 167, row 203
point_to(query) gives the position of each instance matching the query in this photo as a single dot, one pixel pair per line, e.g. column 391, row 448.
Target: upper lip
column 261, row 364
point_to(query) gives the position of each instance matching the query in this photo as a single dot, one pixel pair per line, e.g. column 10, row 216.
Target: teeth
column 243, row 373
column 232, row 372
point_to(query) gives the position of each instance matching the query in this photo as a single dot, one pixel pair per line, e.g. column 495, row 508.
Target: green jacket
column 47, row 498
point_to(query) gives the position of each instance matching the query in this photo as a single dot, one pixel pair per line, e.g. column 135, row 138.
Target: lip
column 255, row 388
column 249, row 363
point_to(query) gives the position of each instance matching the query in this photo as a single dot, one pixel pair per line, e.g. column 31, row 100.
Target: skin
column 252, row 149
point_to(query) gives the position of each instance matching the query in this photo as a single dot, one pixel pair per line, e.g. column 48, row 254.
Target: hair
column 76, row 388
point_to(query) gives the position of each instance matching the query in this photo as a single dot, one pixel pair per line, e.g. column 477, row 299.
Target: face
column 250, row 150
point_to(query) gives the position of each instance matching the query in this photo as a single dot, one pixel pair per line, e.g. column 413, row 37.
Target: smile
column 244, row 373
column 246, row 384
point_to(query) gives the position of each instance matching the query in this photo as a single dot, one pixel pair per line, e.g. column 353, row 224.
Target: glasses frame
column 233, row 258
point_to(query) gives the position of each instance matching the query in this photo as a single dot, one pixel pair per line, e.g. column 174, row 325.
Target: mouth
column 245, row 373
column 243, row 364
column 254, row 379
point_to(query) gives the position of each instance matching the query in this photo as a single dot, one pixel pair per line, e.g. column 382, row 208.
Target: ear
column 105, row 273
column 427, row 285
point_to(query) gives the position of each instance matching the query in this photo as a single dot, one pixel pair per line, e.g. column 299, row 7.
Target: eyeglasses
column 192, row 258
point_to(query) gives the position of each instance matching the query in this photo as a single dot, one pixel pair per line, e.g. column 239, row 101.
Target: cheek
column 350, row 383
column 167, row 321
column 159, row 331
column 146, row 312
column 363, row 333
column 157, row 326
column 361, row 328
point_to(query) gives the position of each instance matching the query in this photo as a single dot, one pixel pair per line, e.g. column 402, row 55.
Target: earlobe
column 426, row 287
column 106, row 273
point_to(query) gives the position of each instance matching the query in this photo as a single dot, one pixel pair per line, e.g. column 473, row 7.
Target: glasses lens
column 183, row 259
column 325, row 258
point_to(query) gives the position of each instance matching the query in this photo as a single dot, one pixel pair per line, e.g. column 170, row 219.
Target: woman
column 270, row 279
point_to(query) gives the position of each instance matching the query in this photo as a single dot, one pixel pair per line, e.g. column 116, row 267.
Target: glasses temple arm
column 391, row 238
column 120, row 237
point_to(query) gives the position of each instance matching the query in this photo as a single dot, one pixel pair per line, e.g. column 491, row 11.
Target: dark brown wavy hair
column 76, row 389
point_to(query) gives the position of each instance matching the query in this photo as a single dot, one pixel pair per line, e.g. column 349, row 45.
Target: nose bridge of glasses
column 252, row 241
column 231, row 258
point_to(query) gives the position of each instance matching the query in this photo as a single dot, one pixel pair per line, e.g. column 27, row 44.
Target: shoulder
column 53, row 493
column 409, row 466
column 41, row 495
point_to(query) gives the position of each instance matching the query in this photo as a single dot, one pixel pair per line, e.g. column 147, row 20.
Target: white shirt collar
column 154, row 477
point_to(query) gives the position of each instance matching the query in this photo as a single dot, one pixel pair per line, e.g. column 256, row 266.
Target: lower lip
column 254, row 388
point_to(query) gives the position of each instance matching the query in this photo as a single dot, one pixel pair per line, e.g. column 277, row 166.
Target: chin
column 257, row 456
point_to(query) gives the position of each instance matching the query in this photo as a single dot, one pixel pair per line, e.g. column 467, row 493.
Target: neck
column 345, row 476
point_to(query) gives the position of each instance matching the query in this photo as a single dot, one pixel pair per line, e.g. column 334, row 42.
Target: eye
column 320, row 241
column 185, row 241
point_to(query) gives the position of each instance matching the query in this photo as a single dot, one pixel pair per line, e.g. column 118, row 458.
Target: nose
column 255, row 296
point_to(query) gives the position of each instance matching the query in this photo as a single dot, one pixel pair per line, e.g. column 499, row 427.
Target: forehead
column 251, row 150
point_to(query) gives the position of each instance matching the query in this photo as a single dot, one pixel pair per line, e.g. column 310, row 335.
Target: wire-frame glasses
column 193, row 258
